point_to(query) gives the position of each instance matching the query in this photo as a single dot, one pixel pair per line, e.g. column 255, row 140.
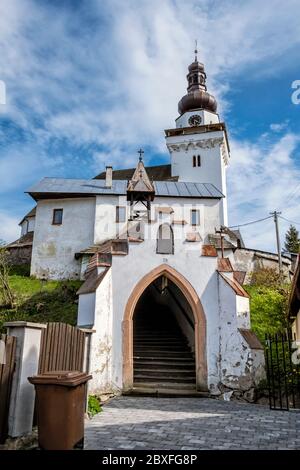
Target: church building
column 160, row 290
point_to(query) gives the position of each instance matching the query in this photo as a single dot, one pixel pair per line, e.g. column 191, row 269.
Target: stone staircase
column 163, row 362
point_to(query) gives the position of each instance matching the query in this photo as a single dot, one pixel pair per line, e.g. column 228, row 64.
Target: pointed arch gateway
column 199, row 324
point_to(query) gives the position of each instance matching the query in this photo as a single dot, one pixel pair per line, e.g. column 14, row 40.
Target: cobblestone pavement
column 190, row 423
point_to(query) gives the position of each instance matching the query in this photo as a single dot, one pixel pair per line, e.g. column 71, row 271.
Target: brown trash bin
column 60, row 400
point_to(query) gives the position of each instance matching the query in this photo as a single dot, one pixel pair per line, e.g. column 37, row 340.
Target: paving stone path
column 190, row 424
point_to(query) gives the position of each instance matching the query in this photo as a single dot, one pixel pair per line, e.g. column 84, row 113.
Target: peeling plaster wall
column 54, row 246
column 243, row 312
column 101, row 340
column 241, row 366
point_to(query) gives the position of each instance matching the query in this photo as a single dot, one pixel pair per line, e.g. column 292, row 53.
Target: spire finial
column 196, row 50
column 141, row 152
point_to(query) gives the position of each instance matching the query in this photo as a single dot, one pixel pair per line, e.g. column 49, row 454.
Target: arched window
column 165, row 240
column 194, row 160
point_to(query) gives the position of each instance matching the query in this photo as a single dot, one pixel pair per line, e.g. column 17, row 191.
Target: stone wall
column 20, row 255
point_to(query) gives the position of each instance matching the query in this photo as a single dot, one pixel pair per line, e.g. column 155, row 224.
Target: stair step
column 141, row 363
column 161, row 346
column 159, row 341
column 166, row 370
column 164, row 385
column 163, row 360
column 157, row 378
column 162, row 354
column 137, row 390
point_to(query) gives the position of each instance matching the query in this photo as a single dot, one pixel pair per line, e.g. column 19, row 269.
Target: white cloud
column 262, row 177
column 279, row 126
column 9, row 229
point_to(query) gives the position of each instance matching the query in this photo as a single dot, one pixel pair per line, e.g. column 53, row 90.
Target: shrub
column 268, row 277
column 94, row 406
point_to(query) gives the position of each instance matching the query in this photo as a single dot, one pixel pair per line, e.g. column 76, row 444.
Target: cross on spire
column 196, row 50
column 141, row 153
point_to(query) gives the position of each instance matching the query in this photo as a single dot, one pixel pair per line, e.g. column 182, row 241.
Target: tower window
column 57, row 216
column 120, row 214
column 195, row 217
column 196, row 160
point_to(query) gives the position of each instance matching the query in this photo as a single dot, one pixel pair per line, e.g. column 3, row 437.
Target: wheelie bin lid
column 60, row 377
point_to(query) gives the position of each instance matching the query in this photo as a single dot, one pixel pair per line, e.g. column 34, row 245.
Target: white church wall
column 209, row 209
column 105, row 217
column 183, row 147
column 54, row 246
column 199, row 271
column 102, row 339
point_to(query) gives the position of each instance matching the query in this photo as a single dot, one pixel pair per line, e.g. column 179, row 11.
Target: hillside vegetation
column 39, row 301
column 268, row 303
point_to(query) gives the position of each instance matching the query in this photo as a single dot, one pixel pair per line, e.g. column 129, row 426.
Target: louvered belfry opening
column 163, row 340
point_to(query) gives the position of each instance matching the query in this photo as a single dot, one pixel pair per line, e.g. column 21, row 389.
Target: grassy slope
column 40, row 301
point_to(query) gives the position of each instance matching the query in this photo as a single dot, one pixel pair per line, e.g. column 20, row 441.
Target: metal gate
column 283, row 371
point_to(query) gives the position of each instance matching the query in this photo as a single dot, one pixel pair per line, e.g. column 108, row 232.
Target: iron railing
column 283, row 371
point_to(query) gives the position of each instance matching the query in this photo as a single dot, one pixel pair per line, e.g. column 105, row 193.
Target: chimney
column 108, row 177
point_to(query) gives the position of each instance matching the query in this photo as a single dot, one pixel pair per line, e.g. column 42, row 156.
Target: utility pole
column 275, row 214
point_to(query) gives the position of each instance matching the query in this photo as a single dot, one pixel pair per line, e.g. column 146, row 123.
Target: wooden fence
column 6, row 374
column 62, row 348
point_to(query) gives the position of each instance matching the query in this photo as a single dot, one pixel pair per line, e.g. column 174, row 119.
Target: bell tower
column 198, row 145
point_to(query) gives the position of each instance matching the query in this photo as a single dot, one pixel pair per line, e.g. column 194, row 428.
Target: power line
column 290, row 221
column 250, row 223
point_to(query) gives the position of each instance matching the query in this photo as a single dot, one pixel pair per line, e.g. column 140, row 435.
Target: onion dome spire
column 197, row 96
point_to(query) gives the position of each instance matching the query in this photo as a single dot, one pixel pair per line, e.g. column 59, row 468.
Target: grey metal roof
column 48, row 187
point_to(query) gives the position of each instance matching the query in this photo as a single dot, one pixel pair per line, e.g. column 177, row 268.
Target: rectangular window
column 57, row 216
column 195, row 217
column 120, row 214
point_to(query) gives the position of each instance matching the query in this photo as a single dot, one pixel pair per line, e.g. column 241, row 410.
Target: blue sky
column 89, row 82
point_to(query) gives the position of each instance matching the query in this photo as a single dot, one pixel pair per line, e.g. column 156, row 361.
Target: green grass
column 40, row 301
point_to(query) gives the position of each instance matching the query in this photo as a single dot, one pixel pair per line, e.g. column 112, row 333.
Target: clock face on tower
column 195, row 120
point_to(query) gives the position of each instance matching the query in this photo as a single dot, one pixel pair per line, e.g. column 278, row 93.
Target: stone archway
column 199, row 324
